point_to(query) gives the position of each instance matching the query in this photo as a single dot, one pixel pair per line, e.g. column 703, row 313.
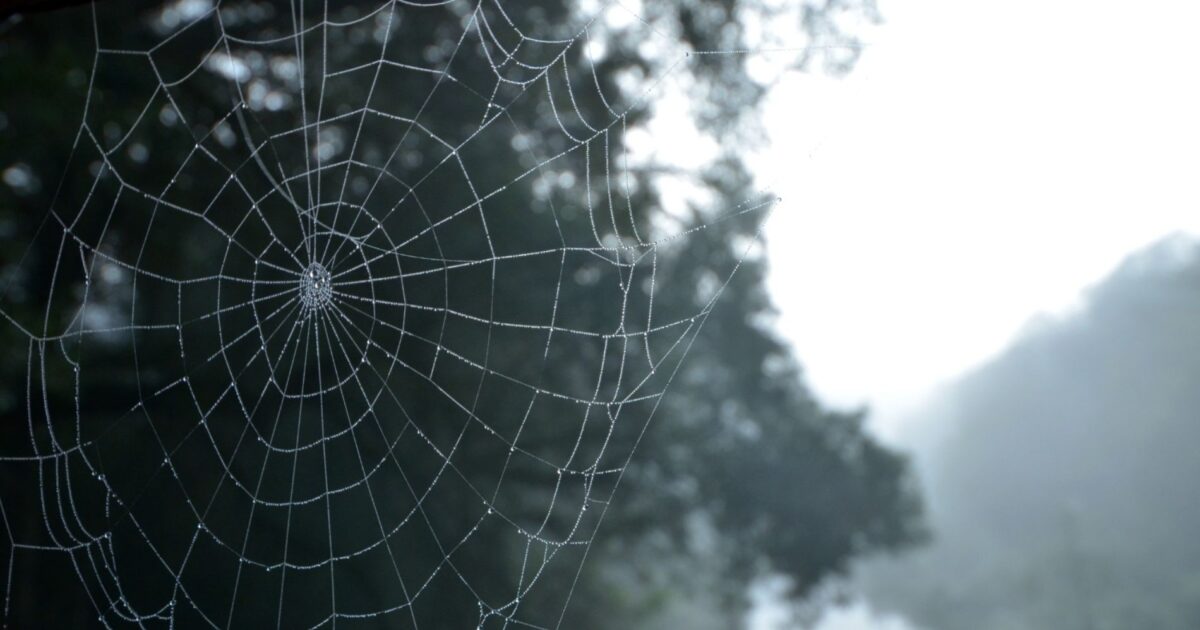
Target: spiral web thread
column 299, row 321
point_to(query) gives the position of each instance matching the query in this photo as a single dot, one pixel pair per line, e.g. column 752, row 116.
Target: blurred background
column 944, row 257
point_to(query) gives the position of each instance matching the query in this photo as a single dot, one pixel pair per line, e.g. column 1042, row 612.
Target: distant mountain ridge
column 1065, row 490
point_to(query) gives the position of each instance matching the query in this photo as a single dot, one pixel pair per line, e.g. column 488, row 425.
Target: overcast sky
column 985, row 162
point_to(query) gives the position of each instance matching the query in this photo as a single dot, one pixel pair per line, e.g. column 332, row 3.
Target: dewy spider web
column 317, row 385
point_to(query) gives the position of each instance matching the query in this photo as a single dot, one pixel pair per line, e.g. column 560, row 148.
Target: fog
column 948, row 204
column 1061, row 475
column 360, row 313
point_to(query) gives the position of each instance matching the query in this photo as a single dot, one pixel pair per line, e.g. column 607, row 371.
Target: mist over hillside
column 1062, row 483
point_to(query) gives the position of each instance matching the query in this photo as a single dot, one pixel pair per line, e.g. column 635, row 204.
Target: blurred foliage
column 740, row 475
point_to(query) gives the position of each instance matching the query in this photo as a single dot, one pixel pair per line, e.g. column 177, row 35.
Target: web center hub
column 316, row 287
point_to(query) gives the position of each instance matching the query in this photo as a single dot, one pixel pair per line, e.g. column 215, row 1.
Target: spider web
column 335, row 366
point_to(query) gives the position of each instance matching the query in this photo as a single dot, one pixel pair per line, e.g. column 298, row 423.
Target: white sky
column 986, row 161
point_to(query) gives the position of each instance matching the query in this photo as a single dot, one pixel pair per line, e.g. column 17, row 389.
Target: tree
column 739, row 449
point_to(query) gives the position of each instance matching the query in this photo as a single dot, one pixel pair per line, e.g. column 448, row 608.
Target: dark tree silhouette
column 151, row 439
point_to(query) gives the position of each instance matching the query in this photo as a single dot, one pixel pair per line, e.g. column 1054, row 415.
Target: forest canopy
column 360, row 313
